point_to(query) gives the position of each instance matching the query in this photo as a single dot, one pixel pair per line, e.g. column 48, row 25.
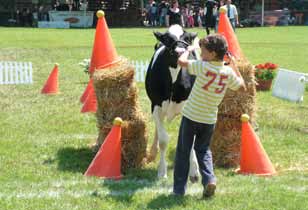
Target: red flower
column 275, row 66
column 260, row 66
column 265, row 71
column 267, row 65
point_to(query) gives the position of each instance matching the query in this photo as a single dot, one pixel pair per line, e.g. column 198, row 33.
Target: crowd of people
column 27, row 16
column 167, row 13
column 161, row 14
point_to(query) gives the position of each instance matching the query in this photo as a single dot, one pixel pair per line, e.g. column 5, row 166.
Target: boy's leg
column 184, row 145
column 203, row 152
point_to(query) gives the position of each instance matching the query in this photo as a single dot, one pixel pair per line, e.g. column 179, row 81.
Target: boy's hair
column 216, row 43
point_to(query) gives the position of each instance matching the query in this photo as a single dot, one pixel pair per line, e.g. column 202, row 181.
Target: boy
column 200, row 110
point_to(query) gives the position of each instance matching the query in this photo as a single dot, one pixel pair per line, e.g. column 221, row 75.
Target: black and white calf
column 168, row 87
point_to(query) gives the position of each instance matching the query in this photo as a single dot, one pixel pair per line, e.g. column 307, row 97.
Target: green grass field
column 44, row 139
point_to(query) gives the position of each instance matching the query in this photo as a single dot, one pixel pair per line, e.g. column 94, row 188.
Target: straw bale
column 105, row 126
column 120, row 74
column 227, row 135
column 117, row 96
column 134, row 141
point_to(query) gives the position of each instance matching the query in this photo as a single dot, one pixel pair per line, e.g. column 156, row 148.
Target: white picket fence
column 12, row 72
column 140, row 70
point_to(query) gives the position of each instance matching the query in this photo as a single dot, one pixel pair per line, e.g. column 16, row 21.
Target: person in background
column 174, row 15
column 69, row 5
column 216, row 13
column 148, row 12
column 23, row 17
column 162, row 10
column 153, row 13
column 200, row 17
column 232, row 13
column 83, row 5
column 185, row 14
column 57, row 5
column 209, row 11
column 17, row 17
column 40, row 13
column 29, row 18
column 190, row 18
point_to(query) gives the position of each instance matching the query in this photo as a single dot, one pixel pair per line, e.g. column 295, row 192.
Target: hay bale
column 227, row 135
column 116, row 94
column 133, row 146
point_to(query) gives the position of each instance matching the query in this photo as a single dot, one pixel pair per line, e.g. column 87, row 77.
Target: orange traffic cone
column 90, row 104
column 87, row 91
column 51, row 85
column 107, row 161
column 225, row 28
column 254, row 159
column 104, row 53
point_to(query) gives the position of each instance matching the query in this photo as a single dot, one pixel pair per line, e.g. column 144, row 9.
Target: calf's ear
column 193, row 35
column 189, row 37
column 159, row 36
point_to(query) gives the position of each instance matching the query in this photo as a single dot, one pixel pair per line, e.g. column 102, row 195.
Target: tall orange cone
column 104, row 53
column 107, row 161
column 225, row 28
column 88, row 89
column 254, row 159
column 51, row 85
column 90, row 104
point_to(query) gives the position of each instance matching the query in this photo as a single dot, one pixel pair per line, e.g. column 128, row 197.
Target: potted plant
column 265, row 74
column 86, row 65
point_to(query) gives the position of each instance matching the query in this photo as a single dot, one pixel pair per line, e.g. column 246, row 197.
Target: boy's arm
column 238, row 74
column 183, row 59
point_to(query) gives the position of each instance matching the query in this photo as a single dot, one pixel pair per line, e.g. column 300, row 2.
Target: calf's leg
column 154, row 148
column 193, row 167
column 163, row 139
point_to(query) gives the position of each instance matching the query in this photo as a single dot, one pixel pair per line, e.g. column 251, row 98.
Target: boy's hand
column 190, row 48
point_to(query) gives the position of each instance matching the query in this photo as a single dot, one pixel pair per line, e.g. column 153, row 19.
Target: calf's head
column 176, row 41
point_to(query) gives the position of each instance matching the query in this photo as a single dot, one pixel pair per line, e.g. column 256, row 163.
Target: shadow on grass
column 134, row 180
column 74, row 159
column 167, row 202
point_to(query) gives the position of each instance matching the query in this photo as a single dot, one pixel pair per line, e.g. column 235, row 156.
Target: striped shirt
column 212, row 80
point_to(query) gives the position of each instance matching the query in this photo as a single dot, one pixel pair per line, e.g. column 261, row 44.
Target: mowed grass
column 44, row 139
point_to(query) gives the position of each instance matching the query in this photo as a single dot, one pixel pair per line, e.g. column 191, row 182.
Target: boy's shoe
column 209, row 190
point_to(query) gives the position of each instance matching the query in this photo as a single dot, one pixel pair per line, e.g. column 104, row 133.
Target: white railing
column 140, row 70
column 12, row 72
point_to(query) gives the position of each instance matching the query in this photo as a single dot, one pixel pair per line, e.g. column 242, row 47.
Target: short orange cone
column 51, row 85
column 104, row 53
column 90, row 104
column 225, row 28
column 107, row 161
column 87, row 91
column 254, row 159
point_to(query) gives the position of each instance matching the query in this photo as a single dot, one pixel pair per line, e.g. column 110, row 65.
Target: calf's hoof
column 162, row 176
column 194, row 179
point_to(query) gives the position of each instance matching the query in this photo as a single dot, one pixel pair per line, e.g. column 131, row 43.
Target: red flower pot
column 264, row 85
